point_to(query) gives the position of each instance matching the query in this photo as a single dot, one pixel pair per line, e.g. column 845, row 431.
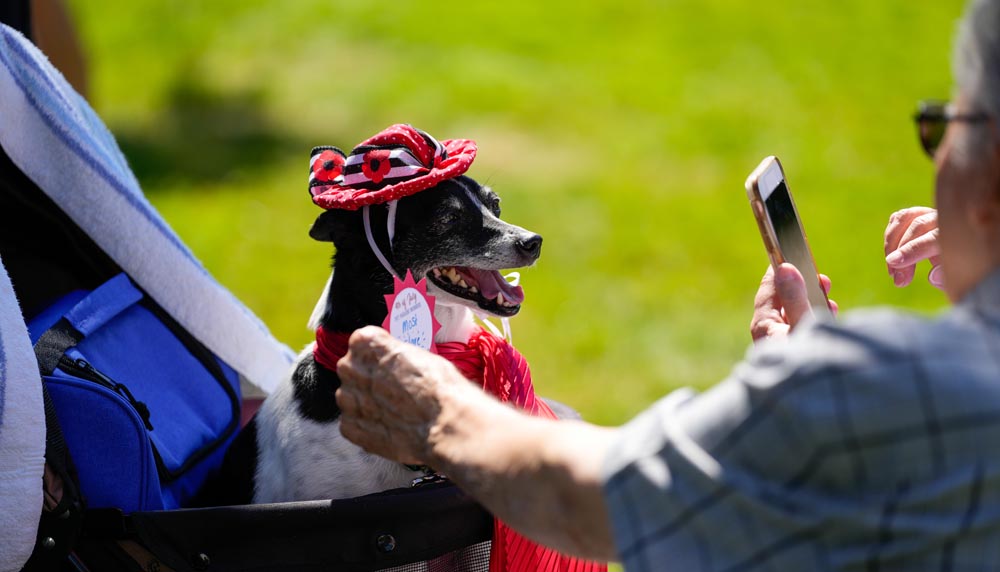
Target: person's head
column 968, row 161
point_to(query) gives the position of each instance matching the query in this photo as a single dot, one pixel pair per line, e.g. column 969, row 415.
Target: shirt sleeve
column 752, row 471
column 866, row 443
column 678, row 501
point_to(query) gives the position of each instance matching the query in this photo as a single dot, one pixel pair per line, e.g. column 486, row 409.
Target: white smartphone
column 781, row 228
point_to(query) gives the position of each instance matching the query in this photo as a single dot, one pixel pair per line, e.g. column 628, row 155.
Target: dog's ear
column 323, row 226
column 335, row 225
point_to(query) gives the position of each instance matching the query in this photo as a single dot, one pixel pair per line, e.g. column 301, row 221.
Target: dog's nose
column 532, row 245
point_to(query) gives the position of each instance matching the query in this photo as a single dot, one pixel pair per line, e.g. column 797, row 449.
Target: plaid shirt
column 871, row 443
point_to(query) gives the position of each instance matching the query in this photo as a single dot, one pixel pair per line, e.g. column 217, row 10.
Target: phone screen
column 788, row 231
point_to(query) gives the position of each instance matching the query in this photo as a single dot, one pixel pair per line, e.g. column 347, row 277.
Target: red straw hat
column 398, row 162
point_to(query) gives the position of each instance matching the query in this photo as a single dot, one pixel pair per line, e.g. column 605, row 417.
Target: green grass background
column 621, row 131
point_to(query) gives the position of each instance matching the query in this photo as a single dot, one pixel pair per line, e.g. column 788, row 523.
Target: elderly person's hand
column 781, row 302
column 541, row 476
column 390, row 395
column 912, row 236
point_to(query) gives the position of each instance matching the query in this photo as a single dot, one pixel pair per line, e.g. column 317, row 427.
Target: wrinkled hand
column 912, row 236
column 390, row 395
column 782, row 302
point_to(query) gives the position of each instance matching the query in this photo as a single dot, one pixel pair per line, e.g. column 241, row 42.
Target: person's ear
column 981, row 175
column 994, row 127
column 984, row 210
column 992, row 172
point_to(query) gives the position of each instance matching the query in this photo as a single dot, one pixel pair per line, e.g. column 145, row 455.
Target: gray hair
column 977, row 56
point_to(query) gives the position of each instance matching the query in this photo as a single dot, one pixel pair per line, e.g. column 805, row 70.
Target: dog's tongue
column 491, row 283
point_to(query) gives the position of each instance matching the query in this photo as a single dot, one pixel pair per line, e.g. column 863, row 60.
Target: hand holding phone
column 781, row 228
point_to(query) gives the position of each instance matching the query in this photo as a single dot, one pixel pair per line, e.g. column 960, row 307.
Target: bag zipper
column 81, row 368
column 84, row 370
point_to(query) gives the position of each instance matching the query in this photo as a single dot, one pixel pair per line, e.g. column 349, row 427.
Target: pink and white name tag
column 411, row 313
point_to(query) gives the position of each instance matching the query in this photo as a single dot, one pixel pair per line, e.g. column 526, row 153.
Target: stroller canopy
column 52, row 135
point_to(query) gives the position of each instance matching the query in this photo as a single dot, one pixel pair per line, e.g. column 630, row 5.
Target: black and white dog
column 451, row 234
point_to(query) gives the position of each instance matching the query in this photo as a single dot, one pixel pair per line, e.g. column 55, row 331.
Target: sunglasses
column 932, row 119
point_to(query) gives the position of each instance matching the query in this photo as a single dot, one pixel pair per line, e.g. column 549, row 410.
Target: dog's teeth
column 500, row 299
column 474, row 290
column 462, row 283
column 437, row 273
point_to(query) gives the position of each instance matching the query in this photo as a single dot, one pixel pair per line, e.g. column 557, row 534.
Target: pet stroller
column 82, row 253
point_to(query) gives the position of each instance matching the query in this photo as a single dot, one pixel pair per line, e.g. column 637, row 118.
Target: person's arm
column 541, row 477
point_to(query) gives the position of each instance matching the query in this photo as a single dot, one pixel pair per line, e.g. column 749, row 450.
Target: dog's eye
column 495, row 205
column 449, row 219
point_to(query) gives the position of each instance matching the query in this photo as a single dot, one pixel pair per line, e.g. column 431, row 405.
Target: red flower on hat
column 375, row 164
column 328, row 166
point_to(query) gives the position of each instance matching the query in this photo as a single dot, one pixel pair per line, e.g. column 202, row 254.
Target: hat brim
column 461, row 153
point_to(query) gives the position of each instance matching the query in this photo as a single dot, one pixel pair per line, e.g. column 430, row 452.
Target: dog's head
column 452, row 234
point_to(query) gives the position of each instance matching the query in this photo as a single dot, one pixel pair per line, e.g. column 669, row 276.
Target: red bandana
column 398, row 162
column 503, row 372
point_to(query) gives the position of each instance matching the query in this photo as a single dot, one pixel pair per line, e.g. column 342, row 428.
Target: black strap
column 50, row 348
column 58, row 458
column 60, row 527
column 48, row 351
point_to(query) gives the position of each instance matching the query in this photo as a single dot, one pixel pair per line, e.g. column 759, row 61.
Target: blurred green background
column 621, row 131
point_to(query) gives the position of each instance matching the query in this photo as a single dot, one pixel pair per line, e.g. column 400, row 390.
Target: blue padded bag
column 146, row 410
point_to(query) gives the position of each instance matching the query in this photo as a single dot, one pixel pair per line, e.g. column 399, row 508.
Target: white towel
column 22, row 435
column 57, row 140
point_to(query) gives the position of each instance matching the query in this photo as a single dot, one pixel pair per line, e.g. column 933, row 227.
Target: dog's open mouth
column 487, row 288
